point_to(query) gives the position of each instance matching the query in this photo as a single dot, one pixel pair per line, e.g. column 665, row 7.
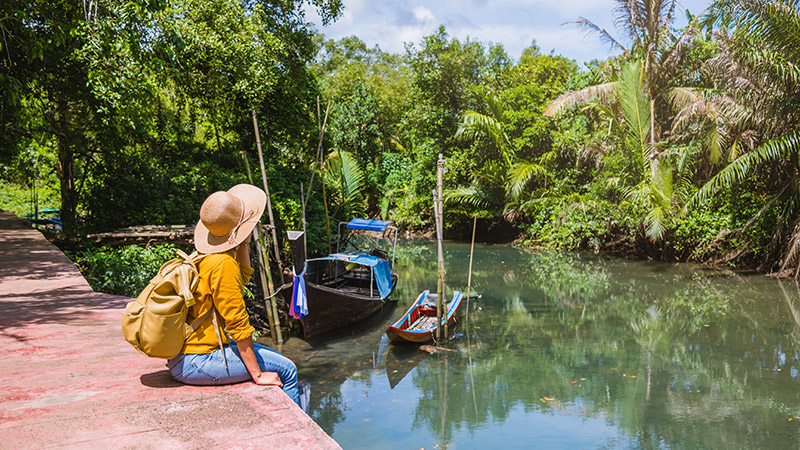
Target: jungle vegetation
column 682, row 146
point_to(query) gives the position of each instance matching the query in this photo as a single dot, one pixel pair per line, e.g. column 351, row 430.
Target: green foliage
column 345, row 179
column 577, row 222
column 123, row 270
column 20, row 199
column 139, row 110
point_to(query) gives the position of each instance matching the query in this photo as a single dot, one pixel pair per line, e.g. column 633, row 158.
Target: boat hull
column 330, row 308
column 401, row 330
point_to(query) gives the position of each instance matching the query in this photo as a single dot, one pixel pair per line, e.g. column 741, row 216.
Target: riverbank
column 68, row 378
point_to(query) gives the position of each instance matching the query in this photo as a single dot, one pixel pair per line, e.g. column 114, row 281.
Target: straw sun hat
column 228, row 217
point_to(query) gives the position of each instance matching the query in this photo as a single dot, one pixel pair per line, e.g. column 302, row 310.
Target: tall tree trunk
column 653, row 149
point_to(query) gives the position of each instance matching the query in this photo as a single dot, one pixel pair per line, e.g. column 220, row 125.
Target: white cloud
column 423, row 14
column 513, row 23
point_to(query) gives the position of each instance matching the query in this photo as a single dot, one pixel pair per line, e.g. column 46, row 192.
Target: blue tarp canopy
column 380, row 267
column 367, row 224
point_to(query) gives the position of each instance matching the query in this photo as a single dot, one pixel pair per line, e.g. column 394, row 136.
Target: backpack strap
column 219, row 337
column 199, row 321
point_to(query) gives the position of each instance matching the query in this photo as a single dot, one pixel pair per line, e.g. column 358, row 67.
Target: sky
column 513, row 23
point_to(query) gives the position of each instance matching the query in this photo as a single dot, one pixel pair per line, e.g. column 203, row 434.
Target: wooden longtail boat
column 418, row 324
column 338, row 296
column 348, row 286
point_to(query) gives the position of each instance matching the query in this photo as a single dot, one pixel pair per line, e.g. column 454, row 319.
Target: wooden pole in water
column 440, row 287
column 471, row 251
column 466, row 322
column 322, row 174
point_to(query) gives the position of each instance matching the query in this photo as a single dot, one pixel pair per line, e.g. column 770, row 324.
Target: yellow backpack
column 155, row 323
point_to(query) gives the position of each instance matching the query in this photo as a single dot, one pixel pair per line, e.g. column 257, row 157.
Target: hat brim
column 255, row 201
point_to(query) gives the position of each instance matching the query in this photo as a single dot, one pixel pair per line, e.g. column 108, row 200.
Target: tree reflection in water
column 642, row 354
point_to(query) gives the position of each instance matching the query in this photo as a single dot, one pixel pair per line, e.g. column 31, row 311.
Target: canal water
column 568, row 350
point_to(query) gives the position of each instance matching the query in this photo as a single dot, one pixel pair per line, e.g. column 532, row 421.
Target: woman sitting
column 227, row 220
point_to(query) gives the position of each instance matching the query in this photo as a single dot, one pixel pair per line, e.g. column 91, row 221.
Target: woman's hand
column 268, row 379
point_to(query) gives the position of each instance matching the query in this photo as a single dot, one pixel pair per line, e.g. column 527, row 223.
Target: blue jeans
column 209, row 369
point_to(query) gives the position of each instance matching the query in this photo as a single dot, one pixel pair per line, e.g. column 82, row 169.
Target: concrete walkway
column 69, row 379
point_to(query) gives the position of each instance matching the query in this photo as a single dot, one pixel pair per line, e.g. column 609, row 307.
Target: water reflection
column 570, row 350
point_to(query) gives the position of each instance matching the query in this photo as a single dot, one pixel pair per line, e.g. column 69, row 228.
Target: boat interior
column 423, row 316
column 349, row 278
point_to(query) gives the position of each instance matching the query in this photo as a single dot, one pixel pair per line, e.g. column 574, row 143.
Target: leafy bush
column 577, row 223
column 123, row 270
column 17, row 198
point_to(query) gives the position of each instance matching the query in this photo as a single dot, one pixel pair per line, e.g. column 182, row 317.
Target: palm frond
column 592, row 28
column 674, row 53
column 496, row 106
column 520, row 175
column 655, row 223
column 345, row 176
column 794, row 249
column 737, row 170
column 635, row 107
column 601, row 93
column 683, row 97
column 467, row 196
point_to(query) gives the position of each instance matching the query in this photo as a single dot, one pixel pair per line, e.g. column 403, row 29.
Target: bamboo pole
column 302, row 201
column 265, row 277
column 325, row 203
column 440, row 286
column 273, row 303
column 266, row 287
column 269, row 201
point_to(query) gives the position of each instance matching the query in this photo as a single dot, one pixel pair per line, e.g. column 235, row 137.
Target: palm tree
column 647, row 24
column 760, row 65
column 643, row 89
column 659, row 187
column 497, row 185
column 345, row 179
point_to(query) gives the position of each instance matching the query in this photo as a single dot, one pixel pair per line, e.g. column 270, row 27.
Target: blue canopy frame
column 368, row 225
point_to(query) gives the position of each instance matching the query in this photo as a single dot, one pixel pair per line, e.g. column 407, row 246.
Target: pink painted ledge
column 68, row 379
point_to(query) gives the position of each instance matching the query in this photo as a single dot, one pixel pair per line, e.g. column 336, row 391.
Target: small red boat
column 418, row 324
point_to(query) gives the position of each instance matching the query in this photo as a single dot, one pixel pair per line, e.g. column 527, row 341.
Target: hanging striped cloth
column 299, row 306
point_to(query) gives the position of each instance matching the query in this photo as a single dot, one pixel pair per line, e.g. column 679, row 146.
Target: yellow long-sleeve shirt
column 221, row 282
